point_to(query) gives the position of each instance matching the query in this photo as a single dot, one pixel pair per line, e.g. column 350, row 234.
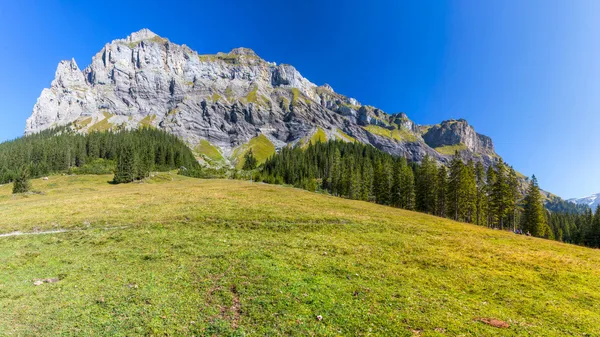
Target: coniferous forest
column 131, row 155
column 462, row 191
column 466, row 192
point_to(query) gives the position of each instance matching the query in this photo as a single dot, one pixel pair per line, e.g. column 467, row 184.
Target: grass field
column 179, row 256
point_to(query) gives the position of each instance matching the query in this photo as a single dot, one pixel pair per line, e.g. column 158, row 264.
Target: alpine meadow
column 162, row 191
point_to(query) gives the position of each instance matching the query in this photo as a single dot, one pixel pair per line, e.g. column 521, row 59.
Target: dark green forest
column 463, row 191
column 130, row 154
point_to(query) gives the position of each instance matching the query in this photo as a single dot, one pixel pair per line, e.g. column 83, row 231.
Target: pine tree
column 407, row 185
column 492, row 218
column 396, row 198
column 594, row 236
column 514, row 195
column 534, row 219
column 426, row 185
column 21, row 183
column 366, row 191
column 383, row 182
column 442, row 187
column 335, row 167
column 469, row 184
column 501, row 197
column 250, row 161
column 126, row 164
column 481, row 198
column 456, row 193
column 145, row 163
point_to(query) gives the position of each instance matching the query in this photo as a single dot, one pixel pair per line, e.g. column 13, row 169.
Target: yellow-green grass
column 234, row 258
column 252, row 96
column 209, row 150
column 82, row 122
column 262, row 148
column 450, row 150
column 318, row 137
column 344, row 136
column 103, row 125
column 400, row 135
column 298, row 95
column 148, row 121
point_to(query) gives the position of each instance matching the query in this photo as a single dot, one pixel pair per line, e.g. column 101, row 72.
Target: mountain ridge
column 228, row 99
column 591, row 201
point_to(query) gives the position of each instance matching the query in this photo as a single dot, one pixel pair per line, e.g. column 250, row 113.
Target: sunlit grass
column 234, row 258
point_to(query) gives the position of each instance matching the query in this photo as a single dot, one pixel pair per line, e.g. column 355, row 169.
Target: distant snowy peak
column 592, row 201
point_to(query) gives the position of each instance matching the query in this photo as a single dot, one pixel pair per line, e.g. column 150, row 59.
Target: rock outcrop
column 227, row 99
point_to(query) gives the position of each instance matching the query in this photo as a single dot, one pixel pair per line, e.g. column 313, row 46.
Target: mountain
column 224, row 104
column 592, row 201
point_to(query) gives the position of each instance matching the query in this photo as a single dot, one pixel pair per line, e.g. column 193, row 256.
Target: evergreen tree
column 250, row 161
column 594, row 232
column 383, row 182
column 407, row 186
column 442, row 187
column 126, row 164
column 21, row 183
column 534, row 220
column 501, row 197
column 456, row 192
column 492, row 218
column 426, row 185
column 514, row 196
column 367, row 181
column 481, row 197
column 145, row 162
column 469, row 184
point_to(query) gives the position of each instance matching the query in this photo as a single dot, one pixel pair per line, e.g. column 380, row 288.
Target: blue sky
column 526, row 73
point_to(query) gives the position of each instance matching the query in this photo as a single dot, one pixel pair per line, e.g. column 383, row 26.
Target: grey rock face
column 226, row 99
column 455, row 132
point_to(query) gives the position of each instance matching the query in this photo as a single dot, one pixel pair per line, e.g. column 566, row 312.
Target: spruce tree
column 594, row 236
column 250, row 161
column 490, row 183
column 469, row 184
column 126, row 164
column 442, row 187
column 407, row 185
column 21, row 183
column 426, row 179
column 533, row 219
column 456, row 192
column 514, row 196
column 501, row 197
column 366, row 191
column 481, row 197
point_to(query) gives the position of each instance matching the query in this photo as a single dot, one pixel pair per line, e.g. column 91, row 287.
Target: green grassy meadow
column 177, row 256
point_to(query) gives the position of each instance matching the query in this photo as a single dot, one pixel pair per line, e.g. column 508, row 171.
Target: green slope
column 231, row 258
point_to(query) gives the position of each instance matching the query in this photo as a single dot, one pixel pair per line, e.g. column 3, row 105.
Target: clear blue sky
column 526, row 73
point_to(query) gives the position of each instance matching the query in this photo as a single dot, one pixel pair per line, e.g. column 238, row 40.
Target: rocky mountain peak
column 142, row 34
column 458, row 133
column 243, row 51
column 227, row 100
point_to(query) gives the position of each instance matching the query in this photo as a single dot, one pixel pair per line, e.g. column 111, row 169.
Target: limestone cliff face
column 226, row 99
column 458, row 132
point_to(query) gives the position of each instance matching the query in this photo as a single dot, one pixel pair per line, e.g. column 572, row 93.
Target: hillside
column 180, row 256
column 225, row 104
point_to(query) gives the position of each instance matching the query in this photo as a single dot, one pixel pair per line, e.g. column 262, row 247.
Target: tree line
column 131, row 154
column 462, row 191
